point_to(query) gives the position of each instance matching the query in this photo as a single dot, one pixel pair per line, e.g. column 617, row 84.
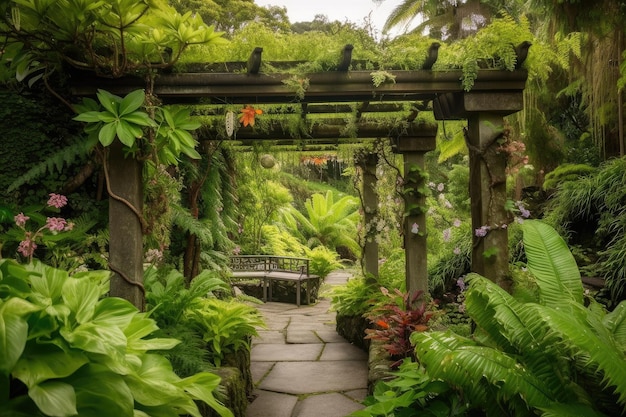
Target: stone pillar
column 370, row 210
column 413, row 149
column 126, row 234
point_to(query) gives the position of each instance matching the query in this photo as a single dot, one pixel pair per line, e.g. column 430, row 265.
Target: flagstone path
column 301, row 367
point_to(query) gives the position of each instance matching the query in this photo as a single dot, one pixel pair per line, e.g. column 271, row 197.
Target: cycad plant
column 327, row 222
column 552, row 357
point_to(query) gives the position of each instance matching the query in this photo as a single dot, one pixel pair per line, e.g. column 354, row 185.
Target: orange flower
column 247, row 115
column 383, row 324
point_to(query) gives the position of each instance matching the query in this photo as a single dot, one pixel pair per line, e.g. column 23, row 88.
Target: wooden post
column 413, row 150
column 126, row 234
column 370, row 209
column 490, row 250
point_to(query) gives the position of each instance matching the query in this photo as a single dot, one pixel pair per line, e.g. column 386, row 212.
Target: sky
column 352, row 10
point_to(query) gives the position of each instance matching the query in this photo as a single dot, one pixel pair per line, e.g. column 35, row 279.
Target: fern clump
column 566, row 172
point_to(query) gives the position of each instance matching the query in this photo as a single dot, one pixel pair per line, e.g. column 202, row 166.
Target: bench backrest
column 269, row 263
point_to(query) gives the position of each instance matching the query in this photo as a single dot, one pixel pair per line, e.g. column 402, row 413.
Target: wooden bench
column 268, row 268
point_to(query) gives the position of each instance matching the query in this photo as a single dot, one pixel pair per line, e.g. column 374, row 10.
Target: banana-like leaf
column 615, row 322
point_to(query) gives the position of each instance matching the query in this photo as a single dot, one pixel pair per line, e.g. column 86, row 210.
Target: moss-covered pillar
column 370, row 214
column 125, row 230
column 413, row 150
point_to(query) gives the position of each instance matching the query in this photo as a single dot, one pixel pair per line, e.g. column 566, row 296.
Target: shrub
column 66, row 351
column 323, row 261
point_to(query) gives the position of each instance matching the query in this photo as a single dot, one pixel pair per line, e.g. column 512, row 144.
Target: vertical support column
column 413, row 150
column 490, row 250
column 370, row 209
column 415, row 223
column 126, row 234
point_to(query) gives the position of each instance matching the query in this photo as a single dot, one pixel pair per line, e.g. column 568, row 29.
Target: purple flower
column 447, row 233
column 457, row 223
column 57, row 200
column 20, row 219
column 482, row 231
column 461, row 283
column 415, row 229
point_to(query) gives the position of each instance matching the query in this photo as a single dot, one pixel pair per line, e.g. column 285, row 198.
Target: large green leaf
column 97, row 338
column 81, row 296
column 114, row 311
column 201, row 386
column 152, row 384
column 13, row 335
column 101, row 393
column 47, row 282
column 131, row 102
column 109, row 101
column 552, row 264
column 54, row 398
column 43, row 362
column 107, row 133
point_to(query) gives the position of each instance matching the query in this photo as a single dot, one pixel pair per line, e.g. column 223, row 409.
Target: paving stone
column 275, row 353
column 330, row 336
column 326, row 405
column 271, row 404
column 302, row 336
column 259, row 370
column 357, row 394
column 269, row 336
column 342, row 352
column 315, row 377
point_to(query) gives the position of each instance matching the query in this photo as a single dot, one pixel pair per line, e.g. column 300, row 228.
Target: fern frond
column 64, row 157
column 185, row 221
column 615, row 322
column 552, row 264
column 478, row 370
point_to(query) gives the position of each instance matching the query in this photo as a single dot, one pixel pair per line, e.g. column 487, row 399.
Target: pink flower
column 447, row 233
column 57, row 200
column 20, row 219
column 56, row 224
column 27, row 248
column 457, row 223
column 415, row 229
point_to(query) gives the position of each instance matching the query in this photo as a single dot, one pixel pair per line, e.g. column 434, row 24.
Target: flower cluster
column 28, row 245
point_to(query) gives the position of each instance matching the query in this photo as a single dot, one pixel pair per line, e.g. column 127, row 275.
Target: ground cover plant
column 560, row 354
column 67, row 351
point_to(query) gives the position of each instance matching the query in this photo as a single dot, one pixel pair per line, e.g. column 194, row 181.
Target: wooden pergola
column 330, row 95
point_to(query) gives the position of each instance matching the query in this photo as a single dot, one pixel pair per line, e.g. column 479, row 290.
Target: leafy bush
column 66, row 351
column 354, row 298
column 323, row 261
column 552, row 356
column 566, row 172
column 396, row 320
column 225, row 326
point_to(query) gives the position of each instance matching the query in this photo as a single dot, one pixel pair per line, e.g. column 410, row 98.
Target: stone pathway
column 301, row 367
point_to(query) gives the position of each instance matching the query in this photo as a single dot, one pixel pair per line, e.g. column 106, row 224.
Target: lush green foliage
column 222, row 326
column 534, row 357
column 412, row 393
column 66, row 351
column 327, row 222
column 226, row 326
column 323, row 261
column 354, row 298
column 591, row 211
column 566, row 172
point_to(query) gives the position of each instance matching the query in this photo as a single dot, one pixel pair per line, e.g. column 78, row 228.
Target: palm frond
column 552, row 264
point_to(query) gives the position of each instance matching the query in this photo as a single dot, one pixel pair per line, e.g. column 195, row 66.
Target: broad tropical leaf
column 552, row 264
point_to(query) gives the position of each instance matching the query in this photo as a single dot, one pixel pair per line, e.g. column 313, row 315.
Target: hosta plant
column 553, row 356
column 67, row 351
